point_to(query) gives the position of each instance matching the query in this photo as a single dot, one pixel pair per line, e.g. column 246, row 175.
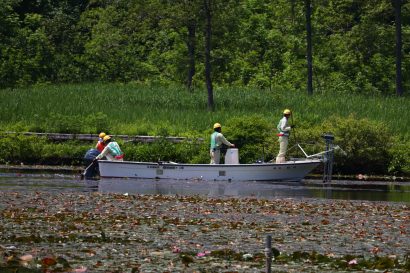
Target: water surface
column 346, row 190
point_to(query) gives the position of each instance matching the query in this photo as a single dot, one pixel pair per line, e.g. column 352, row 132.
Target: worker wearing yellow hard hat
column 217, row 139
column 112, row 150
column 106, row 139
column 283, row 133
column 100, row 144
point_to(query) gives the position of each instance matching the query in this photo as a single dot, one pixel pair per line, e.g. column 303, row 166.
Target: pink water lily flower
column 26, row 258
column 353, row 262
column 81, row 269
column 176, row 249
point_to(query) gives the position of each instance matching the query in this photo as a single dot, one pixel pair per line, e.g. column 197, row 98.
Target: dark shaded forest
column 260, row 44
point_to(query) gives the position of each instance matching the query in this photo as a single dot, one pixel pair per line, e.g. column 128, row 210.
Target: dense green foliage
column 254, row 43
column 33, row 150
column 372, row 131
column 136, row 109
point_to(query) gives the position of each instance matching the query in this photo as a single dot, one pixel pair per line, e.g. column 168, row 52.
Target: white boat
column 294, row 170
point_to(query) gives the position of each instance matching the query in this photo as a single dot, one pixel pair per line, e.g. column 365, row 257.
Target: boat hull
column 289, row 171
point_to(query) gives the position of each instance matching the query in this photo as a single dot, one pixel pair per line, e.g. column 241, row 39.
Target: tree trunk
column 207, row 6
column 292, row 10
column 191, row 53
column 397, row 11
column 309, row 46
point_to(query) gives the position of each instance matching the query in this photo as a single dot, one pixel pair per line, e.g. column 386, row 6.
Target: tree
column 262, row 44
column 397, row 12
column 9, row 26
column 308, row 8
column 208, row 32
column 183, row 17
column 191, row 44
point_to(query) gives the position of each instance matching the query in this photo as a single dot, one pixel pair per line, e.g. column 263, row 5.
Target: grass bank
column 374, row 131
column 140, row 109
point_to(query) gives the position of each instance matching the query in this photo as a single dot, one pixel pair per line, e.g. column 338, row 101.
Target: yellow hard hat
column 286, row 112
column 106, row 138
column 217, row 125
column 102, row 135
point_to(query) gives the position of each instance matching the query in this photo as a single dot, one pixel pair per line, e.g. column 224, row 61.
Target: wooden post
column 268, row 254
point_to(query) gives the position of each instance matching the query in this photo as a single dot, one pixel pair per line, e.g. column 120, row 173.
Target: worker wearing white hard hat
column 217, row 139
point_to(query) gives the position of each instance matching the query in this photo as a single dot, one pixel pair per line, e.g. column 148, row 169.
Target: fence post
column 268, row 254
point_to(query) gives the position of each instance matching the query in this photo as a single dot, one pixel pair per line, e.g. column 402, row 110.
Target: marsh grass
column 144, row 110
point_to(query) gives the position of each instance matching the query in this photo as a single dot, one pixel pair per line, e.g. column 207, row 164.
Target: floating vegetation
column 94, row 232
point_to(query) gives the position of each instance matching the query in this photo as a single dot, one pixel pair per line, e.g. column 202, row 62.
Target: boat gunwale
column 292, row 163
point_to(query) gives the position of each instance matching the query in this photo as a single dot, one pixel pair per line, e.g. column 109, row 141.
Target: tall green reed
column 147, row 109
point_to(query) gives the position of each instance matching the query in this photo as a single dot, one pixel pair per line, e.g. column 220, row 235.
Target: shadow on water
column 346, row 190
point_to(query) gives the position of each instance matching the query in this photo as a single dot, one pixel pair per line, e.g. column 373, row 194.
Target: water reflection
column 17, row 182
column 346, row 190
column 203, row 188
column 257, row 189
column 376, row 192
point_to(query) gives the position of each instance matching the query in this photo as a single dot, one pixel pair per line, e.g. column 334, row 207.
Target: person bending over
column 112, row 150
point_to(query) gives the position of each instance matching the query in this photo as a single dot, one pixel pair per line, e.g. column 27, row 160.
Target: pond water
column 346, row 190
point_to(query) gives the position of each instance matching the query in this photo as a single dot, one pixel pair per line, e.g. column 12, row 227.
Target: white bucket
column 232, row 156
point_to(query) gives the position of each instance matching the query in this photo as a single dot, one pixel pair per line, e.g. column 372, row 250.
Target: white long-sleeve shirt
column 284, row 127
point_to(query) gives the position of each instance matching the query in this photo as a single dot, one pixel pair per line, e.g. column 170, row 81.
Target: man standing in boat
column 217, row 139
column 283, row 134
column 112, row 150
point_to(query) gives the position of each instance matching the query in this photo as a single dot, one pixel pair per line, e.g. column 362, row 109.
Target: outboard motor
column 328, row 159
column 91, row 167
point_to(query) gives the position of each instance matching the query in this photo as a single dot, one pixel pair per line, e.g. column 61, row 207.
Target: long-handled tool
column 86, row 169
column 293, row 129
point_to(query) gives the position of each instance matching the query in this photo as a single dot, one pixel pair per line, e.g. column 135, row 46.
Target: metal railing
column 94, row 137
